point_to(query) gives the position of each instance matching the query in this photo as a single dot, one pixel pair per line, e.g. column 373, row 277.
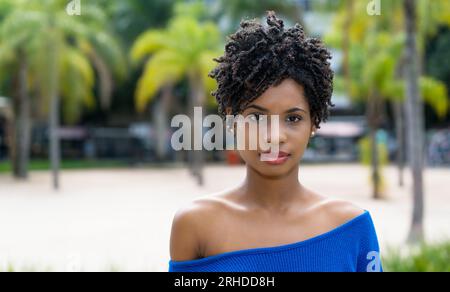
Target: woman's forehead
column 285, row 95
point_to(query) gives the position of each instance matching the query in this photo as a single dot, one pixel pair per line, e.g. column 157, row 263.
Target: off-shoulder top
column 350, row 247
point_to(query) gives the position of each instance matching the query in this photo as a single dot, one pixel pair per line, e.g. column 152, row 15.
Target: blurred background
column 89, row 180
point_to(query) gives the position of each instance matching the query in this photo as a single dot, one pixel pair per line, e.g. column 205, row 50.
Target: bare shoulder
column 339, row 211
column 189, row 224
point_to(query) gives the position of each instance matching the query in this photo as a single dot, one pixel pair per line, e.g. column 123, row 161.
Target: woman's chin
column 273, row 170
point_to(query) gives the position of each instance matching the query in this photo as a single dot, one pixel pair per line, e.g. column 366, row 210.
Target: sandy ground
column 120, row 219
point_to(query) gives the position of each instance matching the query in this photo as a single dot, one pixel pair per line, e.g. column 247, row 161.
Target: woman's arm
column 184, row 238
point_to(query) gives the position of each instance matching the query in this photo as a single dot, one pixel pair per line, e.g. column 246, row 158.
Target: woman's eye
column 294, row 119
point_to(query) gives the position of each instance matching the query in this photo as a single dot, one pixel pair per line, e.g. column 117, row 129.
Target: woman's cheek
column 249, row 157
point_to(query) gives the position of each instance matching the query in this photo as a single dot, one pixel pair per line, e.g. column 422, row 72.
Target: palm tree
column 21, row 105
column 41, row 37
column 414, row 117
column 184, row 50
column 375, row 47
column 421, row 19
column 132, row 17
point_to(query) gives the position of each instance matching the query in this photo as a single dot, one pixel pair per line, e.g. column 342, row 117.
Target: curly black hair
column 257, row 57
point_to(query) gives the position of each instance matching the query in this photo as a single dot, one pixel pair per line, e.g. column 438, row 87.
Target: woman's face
column 288, row 101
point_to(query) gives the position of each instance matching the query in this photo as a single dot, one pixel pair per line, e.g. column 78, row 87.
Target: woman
column 271, row 222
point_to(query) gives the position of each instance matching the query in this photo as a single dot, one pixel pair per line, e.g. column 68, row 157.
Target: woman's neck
column 271, row 193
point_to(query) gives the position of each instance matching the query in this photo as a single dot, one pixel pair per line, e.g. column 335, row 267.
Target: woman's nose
column 275, row 132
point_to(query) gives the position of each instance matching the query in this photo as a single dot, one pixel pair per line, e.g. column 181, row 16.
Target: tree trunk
column 105, row 79
column 414, row 118
column 374, row 117
column 346, row 46
column 399, row 132
column 53, row 75
column 55, row 152
column 161, row 122
column 399, row 119
column 374, row 162
column 9, row 130
column 197, row 97
column 22, row 129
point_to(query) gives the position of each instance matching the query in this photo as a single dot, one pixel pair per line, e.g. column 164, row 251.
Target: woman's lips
column 282, row 158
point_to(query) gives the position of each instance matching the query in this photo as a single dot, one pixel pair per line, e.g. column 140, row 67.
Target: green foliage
column 77, row 80
column 6, row 167
column 131, row 18
column 11, row 268
column 366, row 150
column 171, row 59
column 438, row 59
column 434, row 93
column 424, row 258
column 432, row 15
column 365, row 156
column 194, row 8
column 376, row 46
column 78, row 46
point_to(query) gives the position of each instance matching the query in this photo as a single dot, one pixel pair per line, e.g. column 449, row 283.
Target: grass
column 422, row 258
column 5, row 166
column 10, row 268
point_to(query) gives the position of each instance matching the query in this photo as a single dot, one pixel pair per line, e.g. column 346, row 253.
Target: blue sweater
column 350, row 247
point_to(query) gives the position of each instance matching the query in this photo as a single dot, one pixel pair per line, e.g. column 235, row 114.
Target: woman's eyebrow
column 257, row 107
column 294, row 109
column 291, row 110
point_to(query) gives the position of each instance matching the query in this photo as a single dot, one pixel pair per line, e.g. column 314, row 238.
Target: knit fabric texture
column 350, row 247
